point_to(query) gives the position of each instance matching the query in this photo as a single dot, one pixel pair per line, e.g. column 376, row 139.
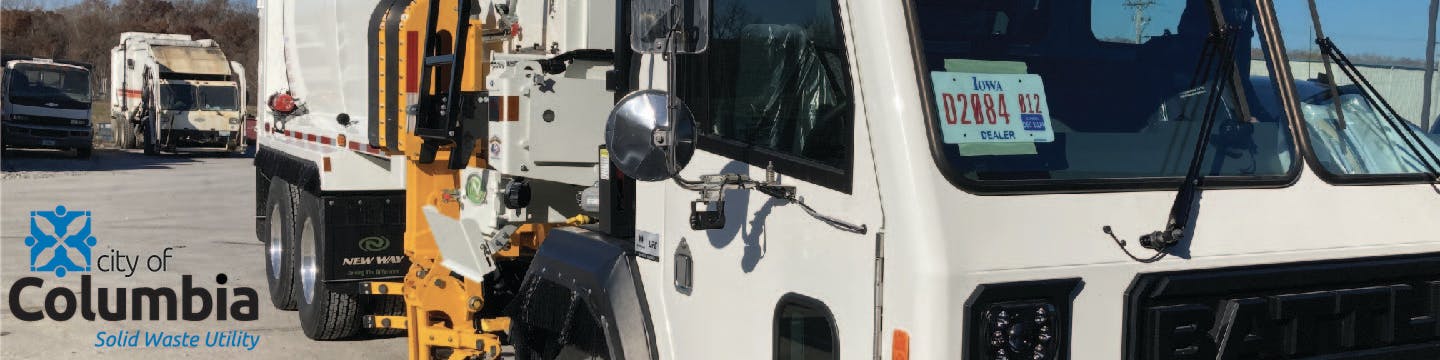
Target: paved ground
column 199, row 204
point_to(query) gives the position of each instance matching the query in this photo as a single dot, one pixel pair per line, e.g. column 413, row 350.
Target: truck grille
column 1354, row 309
column 44, row 120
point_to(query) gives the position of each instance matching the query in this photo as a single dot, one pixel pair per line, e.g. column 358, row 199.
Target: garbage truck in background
column 170, row 90
column 46, row 104
column 825, row 179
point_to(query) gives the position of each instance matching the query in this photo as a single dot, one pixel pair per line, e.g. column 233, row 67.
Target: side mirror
column 654, row 23
column 649, row 137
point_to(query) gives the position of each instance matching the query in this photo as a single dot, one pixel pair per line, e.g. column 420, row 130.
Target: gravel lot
column 200, row 204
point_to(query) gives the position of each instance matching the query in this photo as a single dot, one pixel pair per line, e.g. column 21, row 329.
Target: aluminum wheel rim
column 275, row 247
column 307, row 261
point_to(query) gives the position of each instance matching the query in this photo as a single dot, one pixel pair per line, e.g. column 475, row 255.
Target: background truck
column 825, row 179
column 170, row 90
column 45, row 103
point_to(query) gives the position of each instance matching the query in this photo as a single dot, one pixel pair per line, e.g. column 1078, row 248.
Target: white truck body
column 197, row 92
column 931, row 247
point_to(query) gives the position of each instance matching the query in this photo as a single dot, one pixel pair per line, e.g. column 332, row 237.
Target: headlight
column 1021, row 320
column 1021, row 330
column 234, row 121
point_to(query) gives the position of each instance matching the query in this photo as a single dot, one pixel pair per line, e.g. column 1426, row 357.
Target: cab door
column 775, row 89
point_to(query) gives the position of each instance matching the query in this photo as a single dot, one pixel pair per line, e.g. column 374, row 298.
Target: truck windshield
column 50, row 86
column 177, row 97
column 217, row 98
column 1021, row 100
column 1367, row 144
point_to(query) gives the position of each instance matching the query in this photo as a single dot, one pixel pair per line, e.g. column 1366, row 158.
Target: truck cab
column 827, row 179
column 46, row 104
column 993, row 180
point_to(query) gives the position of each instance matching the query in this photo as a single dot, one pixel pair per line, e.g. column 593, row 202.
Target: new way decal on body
column 992, row 108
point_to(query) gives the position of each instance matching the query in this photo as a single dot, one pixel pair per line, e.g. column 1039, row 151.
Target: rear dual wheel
column 280, row 245
column 325, row 314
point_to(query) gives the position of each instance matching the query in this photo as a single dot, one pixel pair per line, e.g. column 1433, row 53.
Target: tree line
column 86, row 31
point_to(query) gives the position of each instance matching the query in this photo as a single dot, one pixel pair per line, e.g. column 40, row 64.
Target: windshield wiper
column 1413, row 141
column 1217, row 60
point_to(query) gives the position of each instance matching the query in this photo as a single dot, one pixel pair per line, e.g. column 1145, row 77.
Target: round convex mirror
column 643, row 136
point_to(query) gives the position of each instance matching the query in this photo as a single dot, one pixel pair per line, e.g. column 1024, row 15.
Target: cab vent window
column 804, row 330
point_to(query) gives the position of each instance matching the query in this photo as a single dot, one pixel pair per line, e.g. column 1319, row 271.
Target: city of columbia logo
column 61, row 242
column 54, row 235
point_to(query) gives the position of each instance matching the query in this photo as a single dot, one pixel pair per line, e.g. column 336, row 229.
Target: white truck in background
column 171, row 90
column 45, row 103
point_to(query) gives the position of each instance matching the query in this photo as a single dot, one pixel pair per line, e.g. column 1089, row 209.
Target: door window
column 774, row 88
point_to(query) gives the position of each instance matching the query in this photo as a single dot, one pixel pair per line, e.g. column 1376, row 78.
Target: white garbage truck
column 169, row 91
column 45, row 103
column 835, row 179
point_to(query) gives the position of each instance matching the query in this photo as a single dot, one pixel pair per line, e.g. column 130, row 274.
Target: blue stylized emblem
column 58, row 233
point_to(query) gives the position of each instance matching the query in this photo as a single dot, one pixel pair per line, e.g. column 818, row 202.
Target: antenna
column 1140, row 19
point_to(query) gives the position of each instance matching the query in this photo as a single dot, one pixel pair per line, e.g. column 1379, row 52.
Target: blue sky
column 1384, row 27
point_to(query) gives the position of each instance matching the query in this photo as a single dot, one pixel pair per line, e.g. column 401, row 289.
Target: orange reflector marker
column 325, row 164
column 900, row 346
column 340, row 140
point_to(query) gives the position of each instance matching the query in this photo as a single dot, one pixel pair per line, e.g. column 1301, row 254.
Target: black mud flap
column 582, row 294
column 1371, row 308
column 364, row 236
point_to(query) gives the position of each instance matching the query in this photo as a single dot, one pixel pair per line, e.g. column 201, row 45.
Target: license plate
column 992, row 108
column 224, row 133
column 47, row 142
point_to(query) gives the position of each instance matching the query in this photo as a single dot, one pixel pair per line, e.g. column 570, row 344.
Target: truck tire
column 129, row 130
column 117, row 131
column 325, row 314
column 280, row 251
column 149, row 130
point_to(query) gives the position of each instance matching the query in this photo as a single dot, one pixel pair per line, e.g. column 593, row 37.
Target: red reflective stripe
column 512, row 108
column 354, row 146
column 310, row 137
column 130, row 93
column 326, row 140
column 412, row 56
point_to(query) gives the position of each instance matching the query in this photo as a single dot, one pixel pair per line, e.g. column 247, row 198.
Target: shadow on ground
column 35, row 160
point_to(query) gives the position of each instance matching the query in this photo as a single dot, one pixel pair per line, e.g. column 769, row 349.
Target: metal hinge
column 879, row 289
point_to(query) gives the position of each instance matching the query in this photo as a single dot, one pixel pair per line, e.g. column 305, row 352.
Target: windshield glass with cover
column 220, row 98
column 49, row 86
column 1023, row 98
column 1358, row 135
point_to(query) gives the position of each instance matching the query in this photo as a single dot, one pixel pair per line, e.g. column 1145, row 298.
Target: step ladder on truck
column 658, row 179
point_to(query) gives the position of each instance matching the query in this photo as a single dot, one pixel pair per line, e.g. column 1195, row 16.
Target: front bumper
column 49, row 137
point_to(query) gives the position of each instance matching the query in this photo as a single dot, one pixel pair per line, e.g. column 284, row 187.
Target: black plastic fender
column 589, row 273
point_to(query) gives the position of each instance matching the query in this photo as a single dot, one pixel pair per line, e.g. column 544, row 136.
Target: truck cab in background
column 46, row 104
column 170, row 91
